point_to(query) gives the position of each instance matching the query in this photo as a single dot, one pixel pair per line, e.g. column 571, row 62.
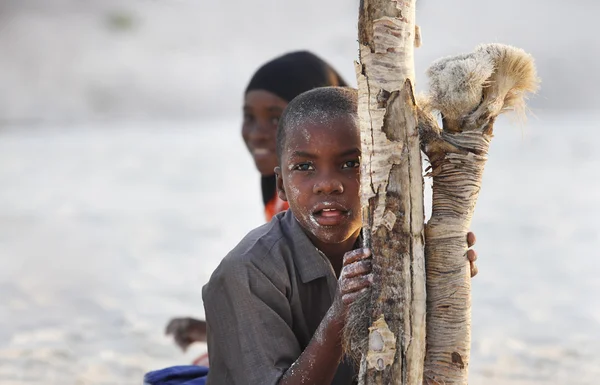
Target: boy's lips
column 330, row 214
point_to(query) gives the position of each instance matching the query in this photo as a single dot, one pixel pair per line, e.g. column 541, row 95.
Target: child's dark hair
column 319, row 105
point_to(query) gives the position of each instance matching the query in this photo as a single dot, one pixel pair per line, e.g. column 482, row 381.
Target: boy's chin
column 333, row 235
column 330, row 234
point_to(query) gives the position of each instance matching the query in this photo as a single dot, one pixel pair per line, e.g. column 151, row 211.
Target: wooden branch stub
column 469, row 91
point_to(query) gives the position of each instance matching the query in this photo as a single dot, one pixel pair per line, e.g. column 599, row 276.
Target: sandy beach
column 108, row 231
column 124, row 179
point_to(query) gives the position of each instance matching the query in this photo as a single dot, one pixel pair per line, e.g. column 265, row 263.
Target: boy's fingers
column 357, row 268
column 356, row 255
column 471, row 239
column 474, row 269
column 355, row 284
column 471, row 255
column 347, row 299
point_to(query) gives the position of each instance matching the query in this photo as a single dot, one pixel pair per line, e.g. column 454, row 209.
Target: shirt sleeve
column 249, row 318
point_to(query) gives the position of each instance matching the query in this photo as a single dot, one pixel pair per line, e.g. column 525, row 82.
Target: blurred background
column 124, row 179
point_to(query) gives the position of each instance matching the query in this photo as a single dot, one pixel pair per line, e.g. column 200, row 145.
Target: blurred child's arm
column 186, row 330
column 319, row 361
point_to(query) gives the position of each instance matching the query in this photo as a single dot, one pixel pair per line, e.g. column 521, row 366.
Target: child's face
column 262, row 110
column 319, row 177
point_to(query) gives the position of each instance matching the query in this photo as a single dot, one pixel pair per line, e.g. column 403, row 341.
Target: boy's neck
column 335, row 251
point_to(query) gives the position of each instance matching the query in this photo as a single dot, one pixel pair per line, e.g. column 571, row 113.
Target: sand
column 108, row 231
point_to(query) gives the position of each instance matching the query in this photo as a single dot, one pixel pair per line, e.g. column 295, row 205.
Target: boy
column 276, row 305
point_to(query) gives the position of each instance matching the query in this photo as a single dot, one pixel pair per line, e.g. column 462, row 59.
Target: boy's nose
column 328, row 186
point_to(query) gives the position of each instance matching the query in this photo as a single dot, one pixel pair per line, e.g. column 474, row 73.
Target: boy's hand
column 186, row 331
column 472, row 254
column 355, row 278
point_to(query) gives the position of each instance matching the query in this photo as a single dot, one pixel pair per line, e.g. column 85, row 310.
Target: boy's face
column 319, row 177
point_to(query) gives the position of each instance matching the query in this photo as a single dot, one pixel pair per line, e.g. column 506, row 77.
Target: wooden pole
column 386, row 330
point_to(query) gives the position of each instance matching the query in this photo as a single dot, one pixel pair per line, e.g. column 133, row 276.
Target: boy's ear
column 280, row 190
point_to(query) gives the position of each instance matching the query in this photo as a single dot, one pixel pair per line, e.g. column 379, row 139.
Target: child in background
column 270, row 90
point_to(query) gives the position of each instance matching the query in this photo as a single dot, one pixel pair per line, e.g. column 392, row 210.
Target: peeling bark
column 392, row 199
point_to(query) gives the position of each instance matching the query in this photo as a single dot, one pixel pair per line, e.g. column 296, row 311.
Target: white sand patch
column 108, row 231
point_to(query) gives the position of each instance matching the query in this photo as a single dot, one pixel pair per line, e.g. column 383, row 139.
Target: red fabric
column 274, row 206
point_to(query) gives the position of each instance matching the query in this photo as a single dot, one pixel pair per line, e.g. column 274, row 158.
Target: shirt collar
column 309, row 261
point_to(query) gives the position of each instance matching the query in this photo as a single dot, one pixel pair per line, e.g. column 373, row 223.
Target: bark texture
column 469, row 92
column 386, row 329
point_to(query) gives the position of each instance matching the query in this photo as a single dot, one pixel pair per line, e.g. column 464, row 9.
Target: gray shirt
column 264, row 303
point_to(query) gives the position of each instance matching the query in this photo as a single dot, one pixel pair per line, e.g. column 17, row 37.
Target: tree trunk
column 386, row 330
column 469, row 91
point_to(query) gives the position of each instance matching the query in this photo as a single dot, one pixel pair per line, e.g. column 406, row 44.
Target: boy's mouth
column 330, row 215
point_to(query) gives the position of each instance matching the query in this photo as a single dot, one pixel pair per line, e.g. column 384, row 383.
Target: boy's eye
column 351, row 164
column 275, row 120
column 303, row 167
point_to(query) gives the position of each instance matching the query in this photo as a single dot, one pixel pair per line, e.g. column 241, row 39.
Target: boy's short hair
column 319, row 105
